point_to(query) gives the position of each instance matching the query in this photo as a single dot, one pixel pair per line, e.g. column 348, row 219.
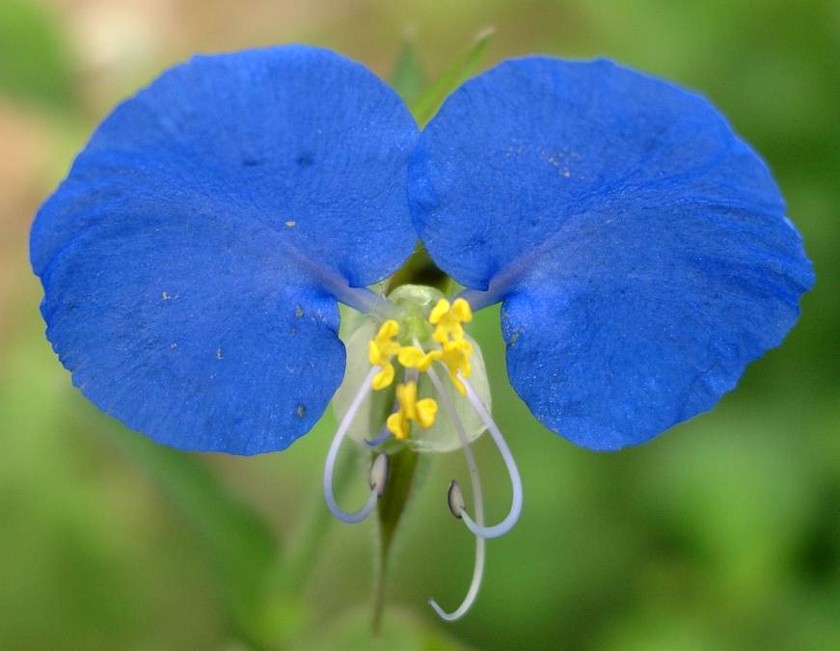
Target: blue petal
column 640, row 249
column 189, row 258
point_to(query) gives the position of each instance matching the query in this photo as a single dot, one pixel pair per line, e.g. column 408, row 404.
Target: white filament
column 332, row 455
column 505, row 525
column 478, row 568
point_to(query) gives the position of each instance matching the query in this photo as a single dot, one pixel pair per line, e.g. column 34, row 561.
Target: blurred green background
column 722, row 534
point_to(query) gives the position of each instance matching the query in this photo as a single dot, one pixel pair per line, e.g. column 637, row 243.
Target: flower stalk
column 390, row 510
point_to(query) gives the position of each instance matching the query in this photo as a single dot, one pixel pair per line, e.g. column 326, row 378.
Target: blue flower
column 194, row 259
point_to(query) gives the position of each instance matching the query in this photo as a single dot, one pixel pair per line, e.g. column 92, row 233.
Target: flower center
column 452, row 348
column 427, row 330
column 391, row 397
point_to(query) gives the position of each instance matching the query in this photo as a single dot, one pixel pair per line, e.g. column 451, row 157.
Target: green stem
column 389, row 512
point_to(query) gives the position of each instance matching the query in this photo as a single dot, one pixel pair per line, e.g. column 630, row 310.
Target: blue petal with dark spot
column 189, row 257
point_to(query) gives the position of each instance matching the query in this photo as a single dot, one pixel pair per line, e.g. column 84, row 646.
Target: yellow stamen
column 427, row 409
column 455, row 352
column 412, row 357
column 449, row 333
column 423, row 412
column 381, row 350
column 384, row 377
column 396, row 424
column 438, row 311
column 448, row 319
column 456, row 356
column 461, row 310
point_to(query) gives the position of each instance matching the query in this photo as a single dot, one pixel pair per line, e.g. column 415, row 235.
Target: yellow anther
column 384, row 377
column 440, row 308
column 396, row 424
column 449, row 333
column 426, row 412
column 447, row 319
column 422, row 412
column 461, row 310
column 455, row 352
column 456, row 356
column 381, row 350
column 384, row 339
column 412, row 357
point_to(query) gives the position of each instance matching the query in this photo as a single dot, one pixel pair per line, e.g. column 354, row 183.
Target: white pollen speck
column 165, row 296
column 173, row 346
column 218, row 353
column 291, row 223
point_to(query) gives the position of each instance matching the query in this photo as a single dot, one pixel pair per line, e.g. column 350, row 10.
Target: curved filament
column 332, row 455
column 515, row 480
column 478, row 568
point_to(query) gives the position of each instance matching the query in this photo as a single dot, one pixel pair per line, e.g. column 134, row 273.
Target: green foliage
column 34, row 59
column 401, row 631
column 241, row 547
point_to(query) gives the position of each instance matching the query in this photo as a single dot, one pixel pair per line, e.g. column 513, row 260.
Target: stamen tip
column 379, row 472
column 455, row 499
